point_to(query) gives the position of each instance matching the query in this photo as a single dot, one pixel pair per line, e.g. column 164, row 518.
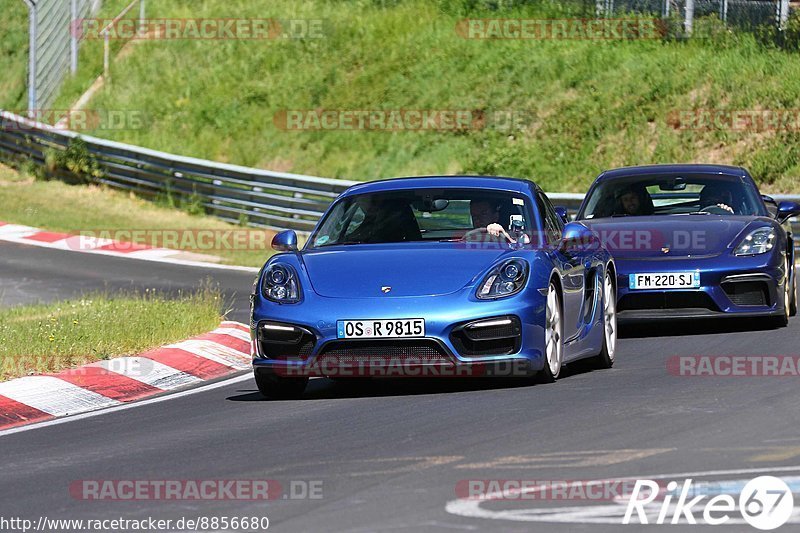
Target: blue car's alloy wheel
column 553, row 336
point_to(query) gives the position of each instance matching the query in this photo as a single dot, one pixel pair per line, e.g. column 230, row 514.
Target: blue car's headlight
column 505, row 279
column 280, row 284
column 759, row 241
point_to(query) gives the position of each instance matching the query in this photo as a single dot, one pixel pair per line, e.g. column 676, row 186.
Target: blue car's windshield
column 414, row 215
column 649, row 194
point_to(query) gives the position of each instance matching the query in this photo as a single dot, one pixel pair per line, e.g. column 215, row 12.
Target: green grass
column 13, row 55
column 595, row 105
column 57, row 206
column 47, row 338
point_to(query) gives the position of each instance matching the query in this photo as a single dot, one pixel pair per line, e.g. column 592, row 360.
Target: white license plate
column 385, row 329
column 665, row 280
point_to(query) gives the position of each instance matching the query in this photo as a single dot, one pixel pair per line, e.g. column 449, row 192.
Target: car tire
column 782, row 320
column 605, row 359
column 793, row 302
column 553, row 337
column 278, row 388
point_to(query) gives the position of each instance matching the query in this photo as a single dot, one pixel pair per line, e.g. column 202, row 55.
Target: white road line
column 158, row 399
column 150, row 372
column 215, row 352
column 53, row 396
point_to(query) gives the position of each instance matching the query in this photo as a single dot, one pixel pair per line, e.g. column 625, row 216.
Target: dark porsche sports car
column 428, row 276
column 694, row 241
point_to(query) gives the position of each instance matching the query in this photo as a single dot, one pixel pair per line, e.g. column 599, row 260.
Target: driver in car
column 633, row 201
column 485, row 216
column 716, row 195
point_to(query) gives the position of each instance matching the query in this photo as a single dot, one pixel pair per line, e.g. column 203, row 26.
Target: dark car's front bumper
column 729, row 287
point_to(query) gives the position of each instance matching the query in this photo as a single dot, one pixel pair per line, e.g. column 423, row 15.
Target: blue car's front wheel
column 553, row 337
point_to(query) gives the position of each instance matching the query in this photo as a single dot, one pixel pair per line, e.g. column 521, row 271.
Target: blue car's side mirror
column 285, row 241
column 787, row 210
column 577, row 238
column 562, row 212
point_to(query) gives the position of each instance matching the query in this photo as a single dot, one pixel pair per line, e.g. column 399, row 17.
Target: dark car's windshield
column 650, row 194
column 419, row 215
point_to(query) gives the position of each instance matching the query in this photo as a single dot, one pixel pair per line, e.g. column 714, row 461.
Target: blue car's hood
column 410, row 270
column 680, row 235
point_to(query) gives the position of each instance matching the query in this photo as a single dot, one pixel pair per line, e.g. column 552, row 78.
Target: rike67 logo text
column 765, row 503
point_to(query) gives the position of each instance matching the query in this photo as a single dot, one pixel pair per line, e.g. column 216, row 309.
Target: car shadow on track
column 327, row 389
column 682, row 327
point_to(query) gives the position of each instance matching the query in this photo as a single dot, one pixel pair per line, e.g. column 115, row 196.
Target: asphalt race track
column 388, row 455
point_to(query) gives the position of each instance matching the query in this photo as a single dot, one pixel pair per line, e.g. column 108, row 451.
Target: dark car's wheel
column 278, row 388
column 793, row 296
column 605, row 359
column 783, row 319
column 553, row 337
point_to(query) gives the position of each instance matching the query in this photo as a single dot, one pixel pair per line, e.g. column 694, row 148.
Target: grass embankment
column 56, row 206
column 13, row 54
column 47, row 338
column 594, row 104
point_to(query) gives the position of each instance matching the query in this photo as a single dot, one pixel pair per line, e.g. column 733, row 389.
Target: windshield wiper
column 345, row 243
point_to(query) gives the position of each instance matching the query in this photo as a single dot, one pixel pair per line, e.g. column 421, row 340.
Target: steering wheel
column 483, row 234
column 717, row 210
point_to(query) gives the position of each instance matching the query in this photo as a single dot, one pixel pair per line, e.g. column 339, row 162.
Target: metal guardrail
column 274, row 200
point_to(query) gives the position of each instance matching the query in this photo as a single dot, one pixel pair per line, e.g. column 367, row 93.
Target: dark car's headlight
column 280, row 284
column 758, row 241
column 505, row 279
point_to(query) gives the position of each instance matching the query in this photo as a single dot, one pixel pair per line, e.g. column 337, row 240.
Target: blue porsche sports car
column 433, row 276
column 694, row 241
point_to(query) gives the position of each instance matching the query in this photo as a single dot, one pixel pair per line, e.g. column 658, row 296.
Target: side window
column 553, row 225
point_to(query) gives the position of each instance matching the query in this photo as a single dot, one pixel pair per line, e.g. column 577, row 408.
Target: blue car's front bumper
column 439, row 352
column 729, row 286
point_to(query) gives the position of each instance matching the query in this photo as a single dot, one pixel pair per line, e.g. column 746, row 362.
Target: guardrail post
column 33, row 29
column 783, row 14
column 141, row 17
column 688, row 20
column 106, row 58
column 73, row 41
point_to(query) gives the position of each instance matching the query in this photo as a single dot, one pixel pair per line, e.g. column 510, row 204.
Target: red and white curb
column 77, row 243
column 109, row 383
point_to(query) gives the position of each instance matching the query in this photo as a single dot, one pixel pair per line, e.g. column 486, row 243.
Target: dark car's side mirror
column 562, row 212
column 577, row 238
column 787, row 210
column 285, row 241
column 772, row 205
